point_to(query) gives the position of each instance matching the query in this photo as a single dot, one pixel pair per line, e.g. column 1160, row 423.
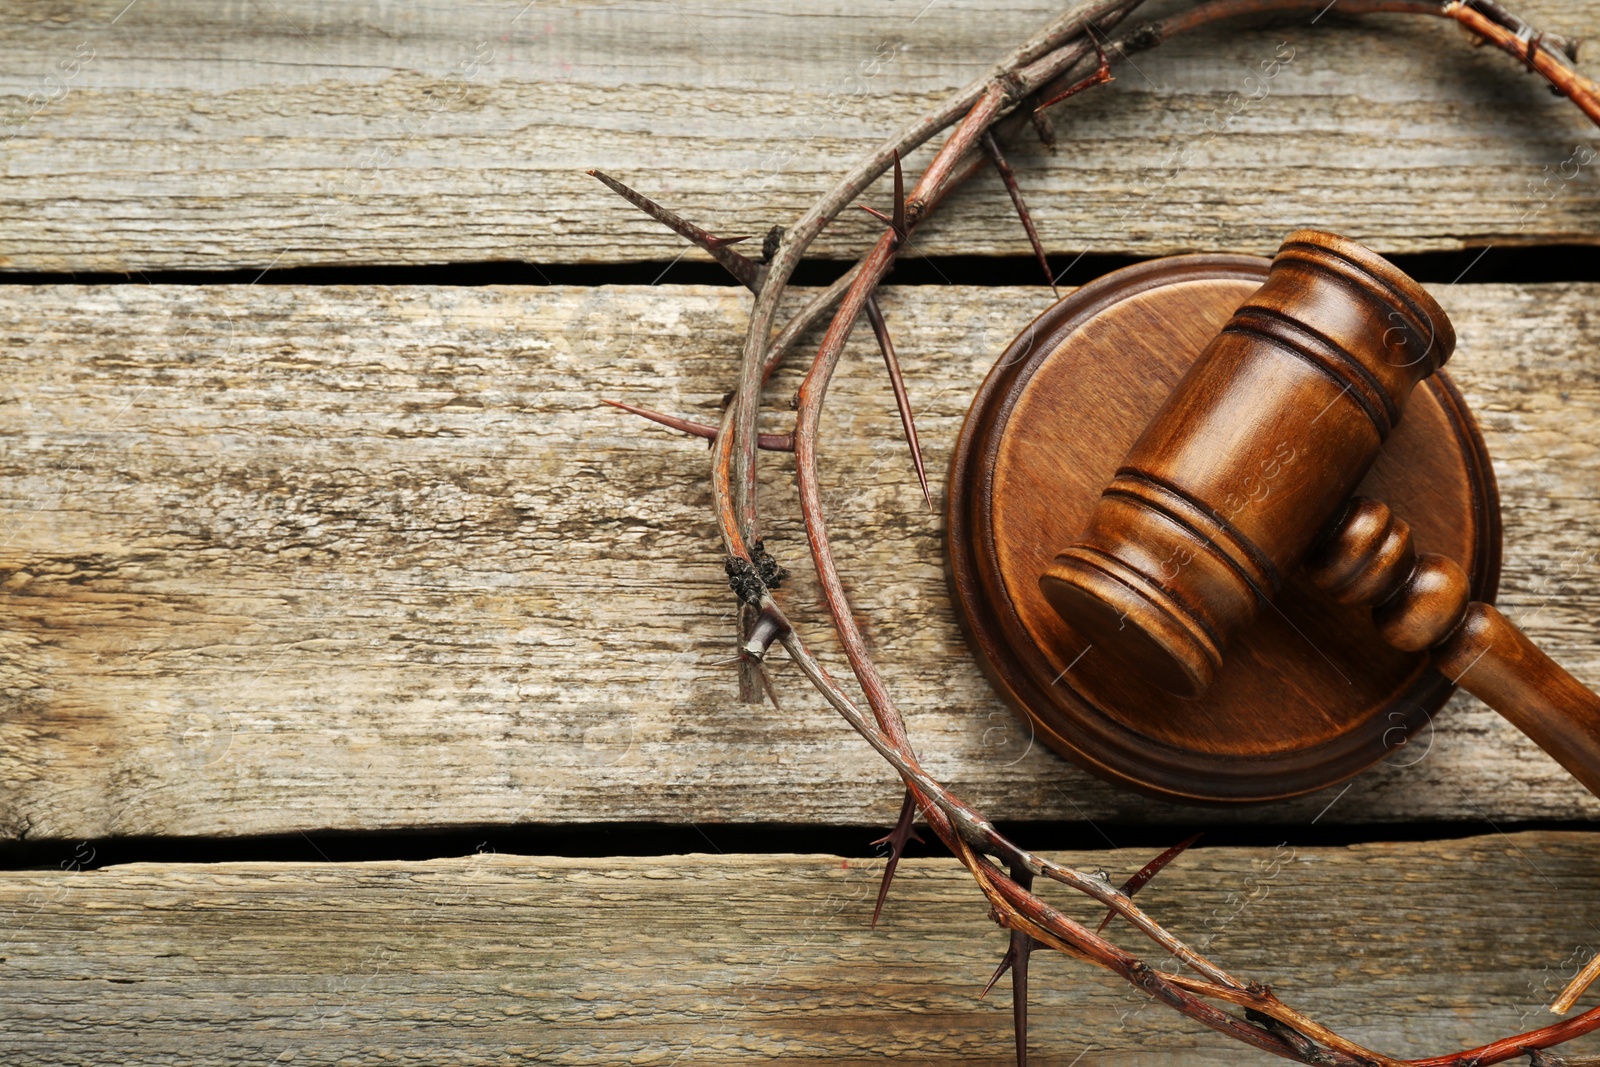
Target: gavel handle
column 1420, row 602
column 1494, row 661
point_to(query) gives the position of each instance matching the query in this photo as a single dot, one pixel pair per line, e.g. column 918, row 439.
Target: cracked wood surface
column 187, row 135
column 735, row 959
column 281, row 558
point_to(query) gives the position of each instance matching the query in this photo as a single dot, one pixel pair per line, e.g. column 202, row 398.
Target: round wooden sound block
column 1309, row 695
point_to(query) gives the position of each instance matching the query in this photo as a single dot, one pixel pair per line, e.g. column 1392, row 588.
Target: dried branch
column 733, row 482
column 1049, row 66
column 1006, row 85
column 1566, row 46
column 1538, row 1058
column 1536, row 52
column 818, row 306
column 1575, row 988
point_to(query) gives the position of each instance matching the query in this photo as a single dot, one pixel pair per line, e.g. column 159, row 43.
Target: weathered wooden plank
column 186, row 134
column 282, row 559
column 1416, row 949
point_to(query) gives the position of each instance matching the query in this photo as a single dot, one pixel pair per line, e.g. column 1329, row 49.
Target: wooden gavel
column 1246, row 474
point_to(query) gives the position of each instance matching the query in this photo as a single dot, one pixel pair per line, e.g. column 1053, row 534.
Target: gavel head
column 1253, row 454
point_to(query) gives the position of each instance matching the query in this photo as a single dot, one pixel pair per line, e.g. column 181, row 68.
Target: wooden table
column 311, row 551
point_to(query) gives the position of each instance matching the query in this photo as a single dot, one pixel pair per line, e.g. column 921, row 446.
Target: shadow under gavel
column 1246, row 474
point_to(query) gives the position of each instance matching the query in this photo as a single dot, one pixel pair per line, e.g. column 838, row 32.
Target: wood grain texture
column 296, row 558
column 193, row 135
column 742, row 959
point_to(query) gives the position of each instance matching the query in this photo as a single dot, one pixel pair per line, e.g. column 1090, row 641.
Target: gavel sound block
column 1158, row 549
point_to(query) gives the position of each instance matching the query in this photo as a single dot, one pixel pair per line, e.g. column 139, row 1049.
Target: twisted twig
column 1051, row 65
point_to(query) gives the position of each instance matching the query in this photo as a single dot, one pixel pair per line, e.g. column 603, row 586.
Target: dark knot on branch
column 771, row 573
column 770, row 243
column 751, row 578
column 744, row 580
column 1308, row 1050
column 1146, row 36
column 1011, row 87
column 1141, row 974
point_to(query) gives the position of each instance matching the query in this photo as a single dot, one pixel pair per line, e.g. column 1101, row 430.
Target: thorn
column 746, row 270
column 1019, row 995
column 901, row 400
column 772, row 692
column 772, row 442
column 1009, row 177
column 1008, row 960
column 1016, row 960
column 896, row 840
column 897, row 221
column 1005, row 965
column 875, row 213
column 1147, row 872
column 1101, row 76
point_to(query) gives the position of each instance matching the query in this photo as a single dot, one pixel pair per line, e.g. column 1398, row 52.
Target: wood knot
column 743, row 579
column 1146, row 36
column 751, row 578
column 771, row 573
column 1143, row 975
column 1011, row 87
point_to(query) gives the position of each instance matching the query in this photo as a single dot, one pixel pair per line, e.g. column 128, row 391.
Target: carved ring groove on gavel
column 1246, row 474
